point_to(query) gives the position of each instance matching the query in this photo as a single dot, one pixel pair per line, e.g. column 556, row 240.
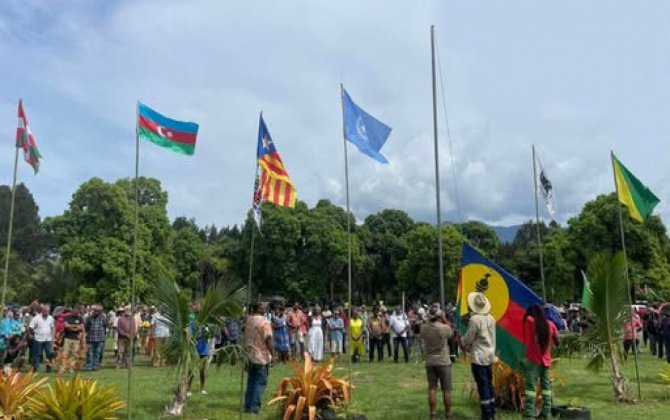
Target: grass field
column 388, row 391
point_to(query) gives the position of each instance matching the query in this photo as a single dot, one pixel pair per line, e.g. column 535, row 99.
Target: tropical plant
column 15, row 389
column 75, row 399
column 608, row 306
column 312, row 386
column 665, row 375
column 174, row 304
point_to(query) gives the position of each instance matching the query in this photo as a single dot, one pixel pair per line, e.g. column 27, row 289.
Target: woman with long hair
column 538, row 336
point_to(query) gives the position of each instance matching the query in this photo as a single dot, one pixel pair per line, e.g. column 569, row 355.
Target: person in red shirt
column 538, row 336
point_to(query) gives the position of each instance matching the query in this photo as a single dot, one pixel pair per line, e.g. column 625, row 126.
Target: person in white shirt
column 399, row 327
column 42, row 329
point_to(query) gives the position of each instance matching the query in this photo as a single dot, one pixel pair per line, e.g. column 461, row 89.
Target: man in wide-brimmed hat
column 480, row 341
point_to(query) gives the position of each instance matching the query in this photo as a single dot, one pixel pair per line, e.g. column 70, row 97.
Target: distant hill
column 506, row 234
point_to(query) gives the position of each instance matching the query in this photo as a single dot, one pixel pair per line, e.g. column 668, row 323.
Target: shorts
column 336, row 346
column 439, row 373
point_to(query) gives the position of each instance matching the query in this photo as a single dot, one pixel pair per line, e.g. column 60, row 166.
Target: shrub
column 15, row 389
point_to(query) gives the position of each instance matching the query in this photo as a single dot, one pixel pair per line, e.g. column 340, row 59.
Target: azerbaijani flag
column 632, row 192
column 26, row 141
column 509, row 299
column 178, row 136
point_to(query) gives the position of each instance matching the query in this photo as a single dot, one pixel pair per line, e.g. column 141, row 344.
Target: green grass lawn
column 388, row 391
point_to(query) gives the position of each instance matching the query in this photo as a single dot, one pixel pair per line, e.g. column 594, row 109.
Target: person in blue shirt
column 336, row 329
column 202, row 347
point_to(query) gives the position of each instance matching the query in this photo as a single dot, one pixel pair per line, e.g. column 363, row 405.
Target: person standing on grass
column 42, row 330
column 435, row 336
column 315, row 335
column 376, row 328
column 74, row 330
column 96, row 325
column 386, row 334
column 160, row 333
column 125, row 335
column 630, row 336
column 538, row 336
column 480, row 341
column 356, row 335
column 335, row 329
column 281, row 334
column 664, row 333
column 400, row 326
column 259, row 346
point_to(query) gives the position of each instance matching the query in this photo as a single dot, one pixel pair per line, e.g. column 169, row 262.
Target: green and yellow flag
column 632, row 193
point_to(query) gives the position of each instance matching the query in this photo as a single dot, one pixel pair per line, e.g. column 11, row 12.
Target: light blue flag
column 362, row 129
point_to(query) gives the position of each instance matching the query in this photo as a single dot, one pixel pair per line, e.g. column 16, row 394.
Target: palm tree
column 174, row 304
column 609, row 312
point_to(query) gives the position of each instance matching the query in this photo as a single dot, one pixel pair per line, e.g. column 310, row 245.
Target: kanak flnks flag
column 26, row 141
column 544, row 186
column 509, row 298
column 272, row 181
column 362, row 129
column 178, row 136
column 632, row 192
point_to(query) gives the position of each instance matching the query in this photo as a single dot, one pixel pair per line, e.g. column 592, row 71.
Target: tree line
column 85, row 254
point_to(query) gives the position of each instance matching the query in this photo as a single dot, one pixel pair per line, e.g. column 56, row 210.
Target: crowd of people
column 75, row 336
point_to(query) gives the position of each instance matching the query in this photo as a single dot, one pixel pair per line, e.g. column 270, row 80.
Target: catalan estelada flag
column 632, row 192
column 178, row 136
column 272, row 181
column 509, row 299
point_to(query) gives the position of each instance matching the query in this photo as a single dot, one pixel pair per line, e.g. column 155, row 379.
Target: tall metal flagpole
column 134, row 266
column 437, row 170
column 9, row 230
column 628, row 291
column 537, row 225
column 346, row 183
column 251, row 270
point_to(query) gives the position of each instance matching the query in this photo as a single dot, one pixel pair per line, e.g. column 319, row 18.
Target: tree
column 608, row 305
column 481, row 237
column 188, row 248
column 95, row 236
column 29, row 240
column 222, row 299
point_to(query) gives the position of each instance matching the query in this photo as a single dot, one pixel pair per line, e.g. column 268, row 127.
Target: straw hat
column 478, row 303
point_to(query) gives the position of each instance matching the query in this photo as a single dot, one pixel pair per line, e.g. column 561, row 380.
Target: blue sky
column 575, row 78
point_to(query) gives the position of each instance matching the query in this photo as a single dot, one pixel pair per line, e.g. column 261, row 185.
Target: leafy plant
column 175, row 307
column 15, row 389
column 75, row 399
column 312, row 386
column 609, row 300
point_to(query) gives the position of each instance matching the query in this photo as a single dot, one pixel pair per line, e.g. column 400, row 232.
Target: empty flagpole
column 437, row 170
column 133, row 327
column 346, row 183
column 625, row 261
column 9, row 229
column 537, row 225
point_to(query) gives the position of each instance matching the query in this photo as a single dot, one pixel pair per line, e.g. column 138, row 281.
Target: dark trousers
column 376, row 343
column 652, row 344
column 630, row 345
column 396, row 342
column 386, row 342
column 93, row 354
column 40, row 347
column 257, row 379
column 484, row 378
column 666, row 344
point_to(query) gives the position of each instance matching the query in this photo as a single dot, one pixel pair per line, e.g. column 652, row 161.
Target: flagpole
column 9, row 230
column 346, row 183
column 537, row 225
column 437, row 170
column 251, row 270
column 625, row 261
column 133, row 327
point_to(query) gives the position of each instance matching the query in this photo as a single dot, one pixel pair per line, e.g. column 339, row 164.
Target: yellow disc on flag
column 482, row 278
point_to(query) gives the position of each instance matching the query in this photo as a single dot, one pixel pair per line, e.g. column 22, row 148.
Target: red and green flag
column 509, row 299
column 178, row 136
column 26, row 141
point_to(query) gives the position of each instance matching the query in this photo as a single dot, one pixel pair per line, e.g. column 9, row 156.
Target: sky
column 575, row 78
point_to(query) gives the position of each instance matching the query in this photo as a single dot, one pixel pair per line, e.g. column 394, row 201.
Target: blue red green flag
column 178, row 136
column 509, row 299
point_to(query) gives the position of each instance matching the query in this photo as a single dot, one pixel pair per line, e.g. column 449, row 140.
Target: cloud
column 514, row 75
